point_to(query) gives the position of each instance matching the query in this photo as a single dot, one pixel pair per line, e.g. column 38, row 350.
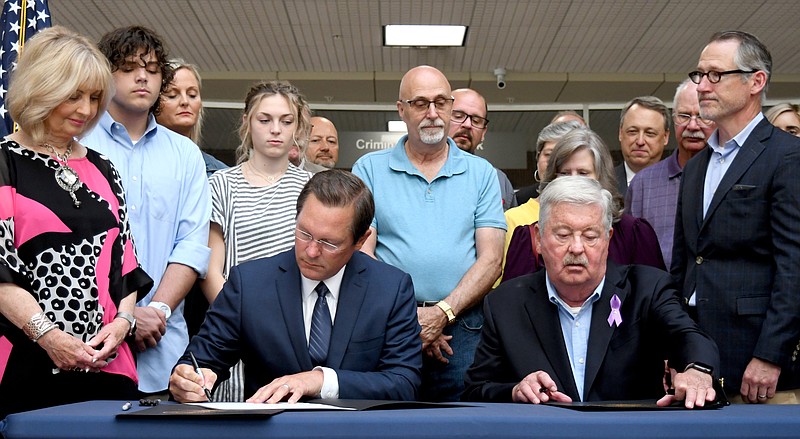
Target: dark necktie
column 320, row 337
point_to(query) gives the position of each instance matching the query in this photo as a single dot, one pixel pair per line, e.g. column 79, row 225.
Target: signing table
column 97, row 419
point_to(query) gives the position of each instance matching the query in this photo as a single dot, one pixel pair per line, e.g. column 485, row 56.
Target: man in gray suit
column 736, row 250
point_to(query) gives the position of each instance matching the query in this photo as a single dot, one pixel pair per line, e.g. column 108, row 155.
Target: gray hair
column 574, row 141
column 681, row 87
column 649, row 102
column 578, row 191
column 554, row 132
column 751, row 54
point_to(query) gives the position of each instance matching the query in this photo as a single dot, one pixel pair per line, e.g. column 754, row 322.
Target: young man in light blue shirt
column 168, row 197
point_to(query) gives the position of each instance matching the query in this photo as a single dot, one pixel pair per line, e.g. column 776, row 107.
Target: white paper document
column 278, row 406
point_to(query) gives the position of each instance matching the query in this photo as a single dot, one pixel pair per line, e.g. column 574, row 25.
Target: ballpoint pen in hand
column 200, row 372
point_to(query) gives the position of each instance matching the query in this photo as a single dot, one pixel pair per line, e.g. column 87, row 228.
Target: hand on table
column 537, row 388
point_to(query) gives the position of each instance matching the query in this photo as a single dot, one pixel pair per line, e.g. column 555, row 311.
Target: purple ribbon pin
column 615, row 316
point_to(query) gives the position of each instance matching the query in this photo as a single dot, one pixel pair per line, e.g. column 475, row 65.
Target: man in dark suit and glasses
column 584, row 329
column 322, row 320
column 737, row 231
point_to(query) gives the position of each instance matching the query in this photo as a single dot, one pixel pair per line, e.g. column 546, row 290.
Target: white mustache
column 694, row 135
column 570, row 259
column 431, row 123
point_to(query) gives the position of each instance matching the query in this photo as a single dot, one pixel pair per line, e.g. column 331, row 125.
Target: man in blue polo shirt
column 439, row 217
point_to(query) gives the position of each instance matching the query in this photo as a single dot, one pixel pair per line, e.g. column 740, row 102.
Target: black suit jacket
column 522, row 334
column 375, row 347
column 622, row 179
column 526, row 193
column 743, row 259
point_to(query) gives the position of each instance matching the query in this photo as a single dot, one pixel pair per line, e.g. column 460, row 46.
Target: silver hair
column 575, row 190
column 554, row 132
column 574, row 141
column 751, row 54
column 681, row 87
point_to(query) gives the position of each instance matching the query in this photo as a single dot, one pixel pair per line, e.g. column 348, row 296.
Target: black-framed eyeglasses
column 422, row 104
column 714, row 76
column 307, row 237
column 459, row 116
column 682, row 119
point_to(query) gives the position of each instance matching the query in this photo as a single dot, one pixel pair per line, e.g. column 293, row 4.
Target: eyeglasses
column 682, row 119
column 422, row 104
column 477, row 121
column 306, row 237
column 714, row 76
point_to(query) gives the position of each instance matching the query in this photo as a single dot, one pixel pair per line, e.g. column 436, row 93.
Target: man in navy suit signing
column 320, row 321
column 584, row 329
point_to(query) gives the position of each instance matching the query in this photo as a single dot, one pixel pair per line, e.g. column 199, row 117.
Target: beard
column 431, row 138
column 465, row 142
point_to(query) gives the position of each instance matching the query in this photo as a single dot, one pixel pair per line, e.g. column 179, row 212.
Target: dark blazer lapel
column 601, row 332
column 290, row 295
column 351, row 296
column 693, row 197
column 547, row 327
column 748, row 153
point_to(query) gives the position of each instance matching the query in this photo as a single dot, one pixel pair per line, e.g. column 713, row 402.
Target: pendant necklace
column 270, row 179
column 66, row 177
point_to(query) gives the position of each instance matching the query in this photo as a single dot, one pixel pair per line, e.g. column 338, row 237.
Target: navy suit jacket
column 375, row 347
column 743, row 259
column 522, row 334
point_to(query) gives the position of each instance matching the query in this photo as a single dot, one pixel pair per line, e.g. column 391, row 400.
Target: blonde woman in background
column 182, row 108
column 785, row 116
column 254, row 202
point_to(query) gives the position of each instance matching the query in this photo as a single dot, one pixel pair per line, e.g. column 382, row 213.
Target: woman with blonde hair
column 68, row 269
column 181, row 108
column 254, row 202
column 785, row 116
column 582, row 152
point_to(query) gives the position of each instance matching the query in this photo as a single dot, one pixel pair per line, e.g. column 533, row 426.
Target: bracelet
column 38, row 326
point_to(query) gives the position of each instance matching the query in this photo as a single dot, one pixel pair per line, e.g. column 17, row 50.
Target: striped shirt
column 256, row 222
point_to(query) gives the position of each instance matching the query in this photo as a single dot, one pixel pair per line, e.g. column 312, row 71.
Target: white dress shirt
column 330, row 381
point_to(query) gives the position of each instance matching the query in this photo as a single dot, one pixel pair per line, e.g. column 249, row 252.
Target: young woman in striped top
column 253, row 203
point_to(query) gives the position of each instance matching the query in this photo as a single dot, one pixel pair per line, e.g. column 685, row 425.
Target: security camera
column 501, row 77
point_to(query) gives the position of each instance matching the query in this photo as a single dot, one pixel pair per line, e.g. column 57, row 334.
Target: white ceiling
column 554, row 51
column 558, row 54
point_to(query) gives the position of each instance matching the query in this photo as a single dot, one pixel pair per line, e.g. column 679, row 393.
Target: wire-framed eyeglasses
column 682, row 119
column 421, row 104
column 304, row 236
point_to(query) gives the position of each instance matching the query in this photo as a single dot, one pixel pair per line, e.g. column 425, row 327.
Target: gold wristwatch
column 448, row 311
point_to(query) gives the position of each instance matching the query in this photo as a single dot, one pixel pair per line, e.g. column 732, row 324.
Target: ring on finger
column 762, row 396
column 287, row 387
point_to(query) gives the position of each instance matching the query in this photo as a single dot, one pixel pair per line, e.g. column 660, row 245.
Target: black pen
column 200, row 372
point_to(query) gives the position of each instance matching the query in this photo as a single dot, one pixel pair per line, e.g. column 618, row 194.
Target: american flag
column 21, row 19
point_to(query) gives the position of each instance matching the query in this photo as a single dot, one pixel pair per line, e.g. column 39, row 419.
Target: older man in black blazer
column 360, row 342
column 584, row 329
column 737, row 230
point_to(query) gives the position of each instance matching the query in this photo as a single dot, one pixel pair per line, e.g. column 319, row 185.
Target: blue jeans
column 445, row 382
